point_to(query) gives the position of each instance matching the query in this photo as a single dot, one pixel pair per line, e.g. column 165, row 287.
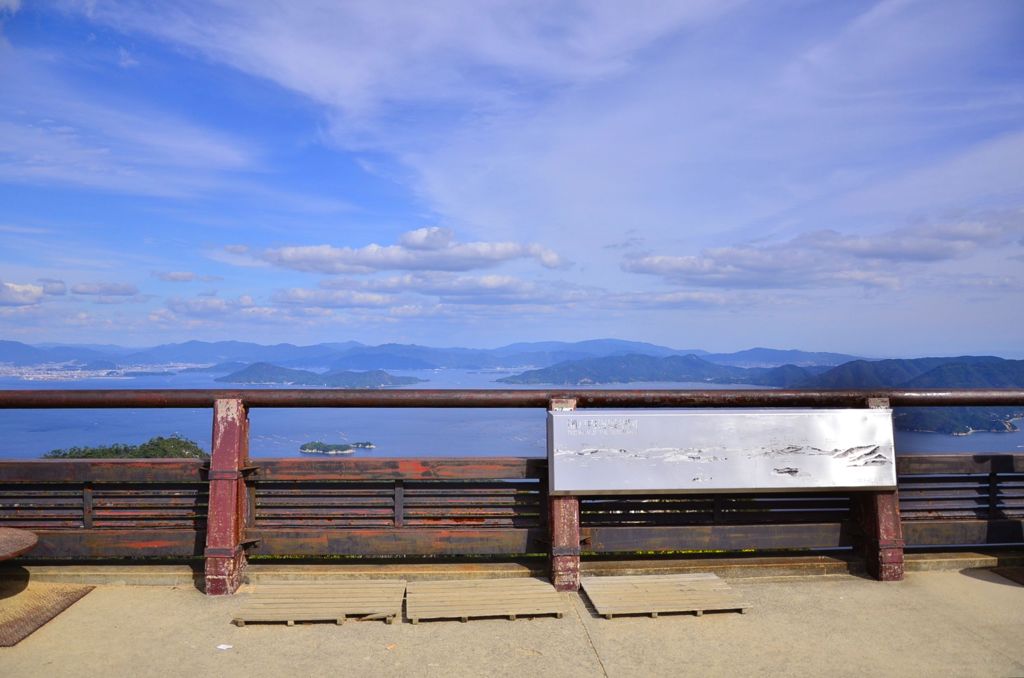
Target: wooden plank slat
column 719, row 537
column 401, row 468
column 474, row 599
column 404, row 541
column 117, row 543
column 334, row 602
column 103, row 470
column 916, row 464
column 963, row 532
column 656, row 594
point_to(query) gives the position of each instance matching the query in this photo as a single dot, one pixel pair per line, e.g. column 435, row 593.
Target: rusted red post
column 564, row 529
column 565, row 543
column 880, row 527
column 882, row 535
column 225, row 558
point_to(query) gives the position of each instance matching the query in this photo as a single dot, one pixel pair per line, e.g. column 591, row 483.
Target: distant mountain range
column 351, row 355
column 954, row 372
column 350, row 364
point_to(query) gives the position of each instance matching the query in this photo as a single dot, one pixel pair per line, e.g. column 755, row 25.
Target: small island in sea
column 266, row 373
column 317, row 447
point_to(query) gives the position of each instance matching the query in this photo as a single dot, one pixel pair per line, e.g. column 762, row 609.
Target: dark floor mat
column 24, row 607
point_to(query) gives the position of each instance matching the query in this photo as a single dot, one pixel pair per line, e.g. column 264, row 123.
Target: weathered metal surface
column 564, row 517
column 334, row 602
column 707, row 509
column 621, row 452
column 398, row 542
column 76, row 544
column 880, row 534
column 921, row 464
column 502, row 398
column 399, row 468
column 225, row 557
column 626, row 539
column 158, row 510
column 963, row 532
column 14, row 542
column 652, row 595
column 481, row 598
column 102, row 471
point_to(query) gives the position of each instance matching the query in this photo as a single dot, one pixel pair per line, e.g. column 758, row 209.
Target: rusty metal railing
column 158, row 508
column 504, row 398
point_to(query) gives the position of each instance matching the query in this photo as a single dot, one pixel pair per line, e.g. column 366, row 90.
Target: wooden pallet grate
column 655, row 594
column 474, row 599
column 361, row 600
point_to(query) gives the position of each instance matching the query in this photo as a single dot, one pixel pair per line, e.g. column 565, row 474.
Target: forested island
column 318, row 447
column 266, row 373
column 158, row 447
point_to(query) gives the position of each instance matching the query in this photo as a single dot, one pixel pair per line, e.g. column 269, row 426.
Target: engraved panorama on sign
column 621, row 452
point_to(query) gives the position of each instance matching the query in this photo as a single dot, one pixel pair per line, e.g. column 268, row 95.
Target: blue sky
column 831, row 176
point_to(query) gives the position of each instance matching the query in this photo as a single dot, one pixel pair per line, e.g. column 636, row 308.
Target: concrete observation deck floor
column 961, row 623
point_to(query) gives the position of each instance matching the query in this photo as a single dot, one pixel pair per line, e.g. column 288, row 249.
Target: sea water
column 278, row 432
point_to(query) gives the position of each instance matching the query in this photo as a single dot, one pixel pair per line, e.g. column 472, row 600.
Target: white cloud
column 462, row 290
column 433, row 238
column 10, row 6
column 14, row 294
column 423, row 249
column 107, row 289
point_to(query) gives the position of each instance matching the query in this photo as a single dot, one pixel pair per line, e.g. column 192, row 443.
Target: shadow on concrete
column 13, row 580
column 999, row 575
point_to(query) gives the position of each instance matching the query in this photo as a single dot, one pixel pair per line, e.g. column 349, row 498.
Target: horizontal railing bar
column 493, row 398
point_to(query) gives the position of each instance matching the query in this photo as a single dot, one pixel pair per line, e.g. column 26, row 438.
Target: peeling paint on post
column 225, row 558
column 881, row 529
column 564, row 528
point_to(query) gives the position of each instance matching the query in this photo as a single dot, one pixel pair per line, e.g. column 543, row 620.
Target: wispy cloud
column 184, row 276
column 54, row 132
column 828, row 258
column 125, row 58
column 53, row 287
column 319, row 298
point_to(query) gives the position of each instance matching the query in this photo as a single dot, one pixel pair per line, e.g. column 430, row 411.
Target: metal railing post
column 880, row 527
column 225, row 557
column 564, row 530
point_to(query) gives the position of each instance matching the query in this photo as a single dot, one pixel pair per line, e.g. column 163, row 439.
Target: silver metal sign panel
column 639, row 451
